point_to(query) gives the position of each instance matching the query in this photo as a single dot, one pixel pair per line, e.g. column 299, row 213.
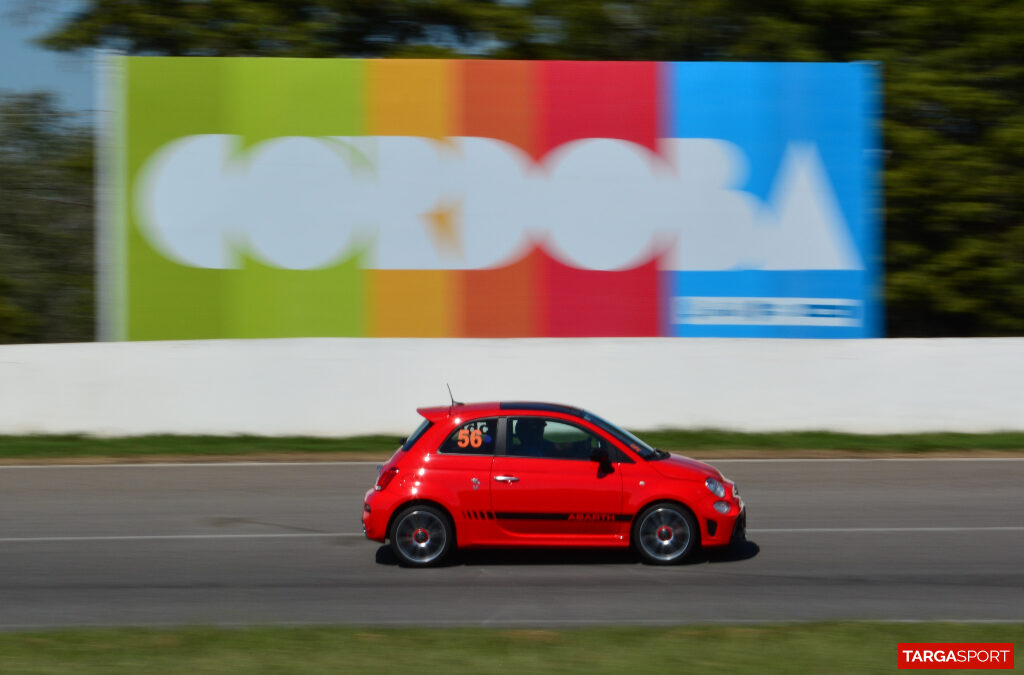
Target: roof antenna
column 454, row 402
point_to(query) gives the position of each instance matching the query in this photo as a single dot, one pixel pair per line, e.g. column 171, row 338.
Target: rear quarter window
column 416, row 435
column 478, row 437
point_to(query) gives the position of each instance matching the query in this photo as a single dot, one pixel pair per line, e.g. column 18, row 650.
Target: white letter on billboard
column 185, row 200
column 298, row 203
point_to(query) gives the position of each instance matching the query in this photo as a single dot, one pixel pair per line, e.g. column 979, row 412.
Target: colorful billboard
column 444, row 198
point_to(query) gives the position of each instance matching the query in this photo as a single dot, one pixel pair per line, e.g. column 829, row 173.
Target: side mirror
column 600, row 455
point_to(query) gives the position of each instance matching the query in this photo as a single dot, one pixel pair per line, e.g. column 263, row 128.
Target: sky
column 29, row 67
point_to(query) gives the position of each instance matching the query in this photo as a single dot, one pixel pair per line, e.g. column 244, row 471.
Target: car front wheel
column 421, row 536
column 665, row 533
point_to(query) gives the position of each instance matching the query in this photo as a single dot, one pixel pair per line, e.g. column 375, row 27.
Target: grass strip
column 717, row 439
column 686, row 441
column 143, row 446
column 790, row 648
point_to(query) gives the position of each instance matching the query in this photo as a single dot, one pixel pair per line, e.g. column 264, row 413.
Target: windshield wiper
column 660, row 454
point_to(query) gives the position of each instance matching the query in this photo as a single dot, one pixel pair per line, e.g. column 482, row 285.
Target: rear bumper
column 375, row 517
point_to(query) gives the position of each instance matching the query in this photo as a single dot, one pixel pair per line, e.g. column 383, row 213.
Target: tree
column 15, row 323
column 46, row 223
column 954, row 92
column 282, row 27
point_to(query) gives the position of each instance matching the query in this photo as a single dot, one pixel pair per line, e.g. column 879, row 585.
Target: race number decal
column 472, row 439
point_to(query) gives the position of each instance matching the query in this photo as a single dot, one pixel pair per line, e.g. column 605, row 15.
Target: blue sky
column 29, row 67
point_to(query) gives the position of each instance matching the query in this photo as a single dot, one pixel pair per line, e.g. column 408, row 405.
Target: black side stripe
column 478, row 515
column 584, row 517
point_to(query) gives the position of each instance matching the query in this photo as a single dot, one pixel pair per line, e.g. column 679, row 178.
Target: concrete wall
column 359, row 386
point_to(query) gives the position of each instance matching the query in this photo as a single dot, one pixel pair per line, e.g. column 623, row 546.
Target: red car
column 542, row 475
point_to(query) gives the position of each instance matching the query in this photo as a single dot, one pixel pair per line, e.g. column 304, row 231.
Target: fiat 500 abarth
column 517, row 474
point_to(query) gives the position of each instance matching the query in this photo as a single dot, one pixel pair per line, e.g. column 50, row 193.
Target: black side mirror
column 600, row 455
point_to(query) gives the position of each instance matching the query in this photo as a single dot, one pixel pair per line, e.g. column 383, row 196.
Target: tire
column 421, row 536
column 665, row 534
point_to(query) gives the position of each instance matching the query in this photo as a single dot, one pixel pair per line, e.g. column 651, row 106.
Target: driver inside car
column 532, row 443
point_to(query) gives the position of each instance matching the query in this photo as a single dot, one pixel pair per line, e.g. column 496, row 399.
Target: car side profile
column 526, row 474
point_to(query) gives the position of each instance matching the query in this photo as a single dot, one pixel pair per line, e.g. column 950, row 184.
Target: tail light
column 385, row 478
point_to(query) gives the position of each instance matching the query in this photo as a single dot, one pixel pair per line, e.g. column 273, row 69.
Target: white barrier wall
column 336, row 387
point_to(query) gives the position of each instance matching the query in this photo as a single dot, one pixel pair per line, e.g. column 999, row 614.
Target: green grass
column 793, row 648
column 715, row 439
column 28, row 447
column 139, row 446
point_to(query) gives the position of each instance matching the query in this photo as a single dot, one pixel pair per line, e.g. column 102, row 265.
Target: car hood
column 680, row 466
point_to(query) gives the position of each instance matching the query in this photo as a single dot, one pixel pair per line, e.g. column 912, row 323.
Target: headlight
column 716, row 488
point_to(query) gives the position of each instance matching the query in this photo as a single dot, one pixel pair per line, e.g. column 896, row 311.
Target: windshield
column 634, row 443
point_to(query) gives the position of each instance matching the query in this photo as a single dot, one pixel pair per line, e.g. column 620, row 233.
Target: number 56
column 473, row 439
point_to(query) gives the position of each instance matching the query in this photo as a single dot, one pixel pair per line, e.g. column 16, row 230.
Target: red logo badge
column 958, row 655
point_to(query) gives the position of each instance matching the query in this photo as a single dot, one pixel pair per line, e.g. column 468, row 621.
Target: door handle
column 506, row 479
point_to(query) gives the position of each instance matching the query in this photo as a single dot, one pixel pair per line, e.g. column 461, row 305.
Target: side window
column 550, row 439
column 473, row 438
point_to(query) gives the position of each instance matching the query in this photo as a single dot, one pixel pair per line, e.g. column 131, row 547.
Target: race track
column 281, row 543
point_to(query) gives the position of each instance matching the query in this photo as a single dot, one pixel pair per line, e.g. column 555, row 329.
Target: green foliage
column 46, row 223
column 954, row 91
column 304, row 28
column 840, row 647
column 15, row 323
column 693, row 441
column 41, row 446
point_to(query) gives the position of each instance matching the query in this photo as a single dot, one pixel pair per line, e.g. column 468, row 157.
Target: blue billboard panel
column 805, row 250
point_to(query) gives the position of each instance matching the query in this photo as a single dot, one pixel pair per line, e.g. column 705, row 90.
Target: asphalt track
column 277, row 543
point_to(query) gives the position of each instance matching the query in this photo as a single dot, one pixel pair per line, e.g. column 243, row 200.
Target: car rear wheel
column 421, row 536
column 665, row 533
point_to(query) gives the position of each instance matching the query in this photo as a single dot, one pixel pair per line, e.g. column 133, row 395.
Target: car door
column 546, row 484
column 462, row 467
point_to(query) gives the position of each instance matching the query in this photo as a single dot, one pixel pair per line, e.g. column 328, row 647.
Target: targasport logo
column 955, row 655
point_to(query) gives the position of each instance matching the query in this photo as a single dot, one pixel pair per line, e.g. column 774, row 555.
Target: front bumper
column 722, row 529
column 739, row 530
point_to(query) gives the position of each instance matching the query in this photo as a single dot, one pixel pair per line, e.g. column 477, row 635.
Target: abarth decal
column 592, row 517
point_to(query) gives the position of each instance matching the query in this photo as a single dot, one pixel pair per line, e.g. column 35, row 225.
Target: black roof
column 535, row 405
